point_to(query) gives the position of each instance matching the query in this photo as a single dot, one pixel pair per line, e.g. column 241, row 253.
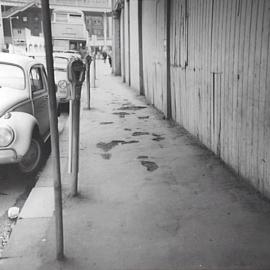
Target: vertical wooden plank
column 262, row 159
column 266, row 77
column 240, row 79
column 255, row 91
column 235, row 76
column 247, row 88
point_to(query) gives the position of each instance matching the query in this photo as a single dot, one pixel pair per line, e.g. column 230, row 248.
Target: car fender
column 23, row 125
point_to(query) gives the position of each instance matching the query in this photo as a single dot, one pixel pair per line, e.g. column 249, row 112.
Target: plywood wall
column 220, row 80
column 154, row 52
column 134, row 45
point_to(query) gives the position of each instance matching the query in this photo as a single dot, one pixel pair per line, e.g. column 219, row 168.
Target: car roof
column 21, row 60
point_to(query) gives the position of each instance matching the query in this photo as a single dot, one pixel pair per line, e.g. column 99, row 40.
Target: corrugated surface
column 154, row 52
column 220, row 80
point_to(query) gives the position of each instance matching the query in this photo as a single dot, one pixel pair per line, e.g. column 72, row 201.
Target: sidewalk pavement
column 151, row 198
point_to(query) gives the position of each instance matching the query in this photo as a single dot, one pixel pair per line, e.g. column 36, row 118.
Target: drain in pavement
column 121, row 114
column 106, row 156
column 131, row 108
column 139, row 133
column 108, row 146
column 143, row 117
column 106, row 123
column 150, row 165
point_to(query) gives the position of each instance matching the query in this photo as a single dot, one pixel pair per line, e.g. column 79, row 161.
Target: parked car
column 60, row 75
column 61, row 61
column 24, row 113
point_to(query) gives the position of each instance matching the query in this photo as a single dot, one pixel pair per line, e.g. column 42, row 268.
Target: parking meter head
column 88, row 59
column 76, row 71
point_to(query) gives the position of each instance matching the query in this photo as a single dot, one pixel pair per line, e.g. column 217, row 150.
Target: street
column 15, row 188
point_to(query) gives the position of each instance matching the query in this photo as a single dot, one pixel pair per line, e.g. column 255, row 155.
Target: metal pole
column 88, row 85
column 2, row 40
column 54, row 130
column 75, row 144
column 95, row 70
column 11, row 33
column 70, row 137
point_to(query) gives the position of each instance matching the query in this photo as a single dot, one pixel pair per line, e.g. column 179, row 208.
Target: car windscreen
column 11, row 76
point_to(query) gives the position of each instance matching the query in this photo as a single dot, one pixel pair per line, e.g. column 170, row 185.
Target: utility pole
column 54, row 130
column 2, row 43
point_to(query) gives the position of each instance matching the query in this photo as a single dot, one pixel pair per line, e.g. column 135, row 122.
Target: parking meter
column 76, row 75
column 88, row 60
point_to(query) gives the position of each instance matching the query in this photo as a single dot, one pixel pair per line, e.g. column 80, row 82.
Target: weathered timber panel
column 154, row 52
column 220, row 80
column 134, row 45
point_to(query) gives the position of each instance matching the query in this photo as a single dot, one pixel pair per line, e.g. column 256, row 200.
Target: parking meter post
column 53, row 130
column 76, row 75
column 75, row 146
column 70, row 137
column 95, row 71
column 88, row 94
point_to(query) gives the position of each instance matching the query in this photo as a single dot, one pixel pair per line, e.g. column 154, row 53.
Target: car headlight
column 6, row 136
column 62, row 84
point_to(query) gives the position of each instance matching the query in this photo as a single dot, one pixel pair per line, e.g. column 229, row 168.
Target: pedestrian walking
column 110, row 58
column 104, row 54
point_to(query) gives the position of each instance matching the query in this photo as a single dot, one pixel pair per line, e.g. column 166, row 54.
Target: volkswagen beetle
column 24, row 113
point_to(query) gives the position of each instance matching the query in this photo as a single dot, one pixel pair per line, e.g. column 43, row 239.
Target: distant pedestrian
column 104, row 54
column 110, row 58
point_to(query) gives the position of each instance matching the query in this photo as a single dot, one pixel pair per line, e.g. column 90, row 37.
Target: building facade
column 75, row 24
column 204, row 64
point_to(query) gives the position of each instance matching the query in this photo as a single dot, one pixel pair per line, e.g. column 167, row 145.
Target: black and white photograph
column 134, row 134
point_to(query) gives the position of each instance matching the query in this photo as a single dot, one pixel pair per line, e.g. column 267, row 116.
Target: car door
column 40, row 99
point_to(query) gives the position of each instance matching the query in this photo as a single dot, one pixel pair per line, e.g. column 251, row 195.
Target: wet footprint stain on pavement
column 105, row 123
column 121, row 114
column 139, row 133
column 142, row 157
column 131, row 108
column 150, row 165
column 106, row 156
column 143, row 117
column 106, row 147
column 157, row 137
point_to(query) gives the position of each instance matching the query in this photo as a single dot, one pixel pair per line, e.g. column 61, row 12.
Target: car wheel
column 31, row 161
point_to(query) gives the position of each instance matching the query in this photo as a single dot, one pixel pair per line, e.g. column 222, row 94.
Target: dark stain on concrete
column 139, row 133
column 142, row 157
column 150, row 165
column 131, row 108
column 143, row 117
column 121, row 114
column 106, row 156
column 108, row 146
column 128, row 129
column 106, row 123
column 158, row 137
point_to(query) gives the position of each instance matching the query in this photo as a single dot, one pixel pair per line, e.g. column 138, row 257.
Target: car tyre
column 31, row 161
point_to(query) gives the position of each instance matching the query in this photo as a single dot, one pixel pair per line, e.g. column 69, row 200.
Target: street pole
column 54, row 130
column 11, row 33
column 2, row 43
column 87, row 63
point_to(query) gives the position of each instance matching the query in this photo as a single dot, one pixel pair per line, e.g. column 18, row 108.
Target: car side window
column 36, row 79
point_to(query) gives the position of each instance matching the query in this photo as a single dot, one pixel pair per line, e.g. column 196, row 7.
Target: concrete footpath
column 151, row 198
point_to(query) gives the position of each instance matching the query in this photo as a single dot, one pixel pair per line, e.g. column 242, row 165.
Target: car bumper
column 8, row 156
